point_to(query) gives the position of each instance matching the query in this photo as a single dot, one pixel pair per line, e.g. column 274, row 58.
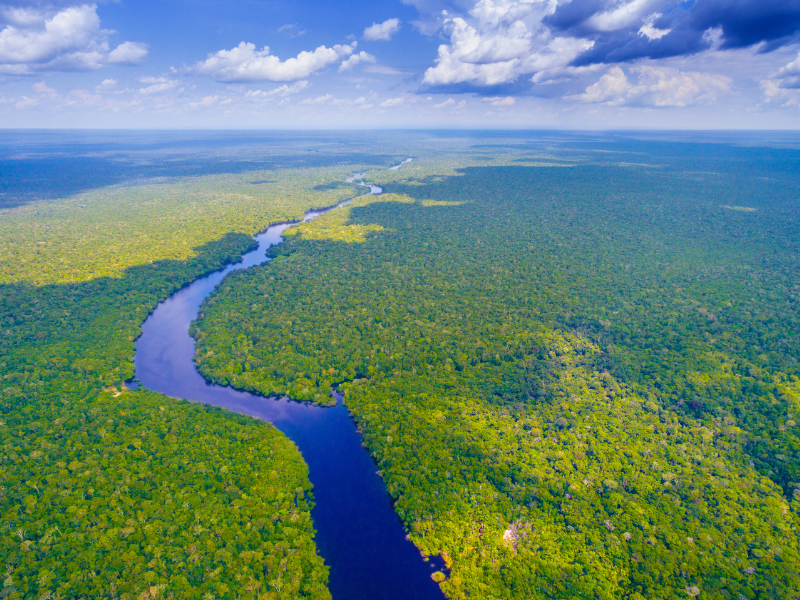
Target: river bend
column 359, row 535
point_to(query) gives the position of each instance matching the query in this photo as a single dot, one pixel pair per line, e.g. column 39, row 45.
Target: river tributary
column 358, row 533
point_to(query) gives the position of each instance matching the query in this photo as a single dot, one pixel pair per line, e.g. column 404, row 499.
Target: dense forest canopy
column 577, row 378
column 573, row 357
column 110, row 492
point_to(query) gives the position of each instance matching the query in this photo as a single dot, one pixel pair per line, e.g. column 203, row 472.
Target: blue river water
column 359, row 535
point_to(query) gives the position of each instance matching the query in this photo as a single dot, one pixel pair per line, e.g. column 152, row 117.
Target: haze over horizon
column 583, row 64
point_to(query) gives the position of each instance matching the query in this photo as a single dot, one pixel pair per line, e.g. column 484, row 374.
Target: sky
column 577, row 64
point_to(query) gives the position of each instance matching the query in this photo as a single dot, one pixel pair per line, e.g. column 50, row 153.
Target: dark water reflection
column 358, row 533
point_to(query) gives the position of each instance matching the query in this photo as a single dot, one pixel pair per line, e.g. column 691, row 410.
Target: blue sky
column 696, row 64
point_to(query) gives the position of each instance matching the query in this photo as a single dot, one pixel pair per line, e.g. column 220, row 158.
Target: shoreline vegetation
column 576, row 380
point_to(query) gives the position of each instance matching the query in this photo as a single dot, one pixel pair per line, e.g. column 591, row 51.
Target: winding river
column 359, row 535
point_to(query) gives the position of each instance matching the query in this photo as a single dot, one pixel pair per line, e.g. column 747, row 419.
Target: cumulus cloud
column 616, row 16
column 157, row 85
column 501, row 41
column 20, row 16
column 656, row 86
column 354, row 59
column 783, row 84
column 69, row 39
column 43, row 89
column 382, row 31
column 128, row 53
column 788, row 76
column 793, row 68
column 43, row 39
column 246, row 64
column 106, row 84
column 787, row 96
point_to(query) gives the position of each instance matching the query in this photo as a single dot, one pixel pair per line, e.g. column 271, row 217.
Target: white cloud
column 793, row 68
column 107, row 84
column 713, row 37
column 656, row 86
column 783, row 86
column 362, row 102
column 448, row 102
column 26, row 102
column 282, row 91
column 246, row 64
column 67, row 40
column 652, row 33
column 501, row 101
column 771, row 90
column 353, row 60
column 499, row 41
column 621, row 17
column 391, row 102
column 71, row 29
column 318, row 100
column 19, row 16
column 41, row 88
column 774, row 93
column 206, row 101
column 382, row 31
column 157, row 85
column 612, row 88
column 128, row 53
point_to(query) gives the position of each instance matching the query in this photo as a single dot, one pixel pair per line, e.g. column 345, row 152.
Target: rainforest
column 573, row 359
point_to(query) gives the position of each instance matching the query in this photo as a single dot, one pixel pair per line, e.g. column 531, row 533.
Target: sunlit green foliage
column 132, row 494
column 121, row 493
column 101, row 233
column 112, row 493
column 576, row 381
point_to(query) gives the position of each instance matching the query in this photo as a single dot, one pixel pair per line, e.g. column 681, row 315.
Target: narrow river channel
column 359, row 535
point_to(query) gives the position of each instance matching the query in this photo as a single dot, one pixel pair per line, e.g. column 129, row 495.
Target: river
column 359, row 535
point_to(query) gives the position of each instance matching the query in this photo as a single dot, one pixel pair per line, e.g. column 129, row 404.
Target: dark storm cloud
column 693, row 27
column 748, row 22
column 572, row 15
